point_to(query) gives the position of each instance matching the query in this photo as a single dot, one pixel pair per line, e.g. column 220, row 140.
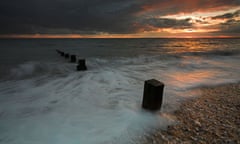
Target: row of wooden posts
column 73, row 59
column 153, row 89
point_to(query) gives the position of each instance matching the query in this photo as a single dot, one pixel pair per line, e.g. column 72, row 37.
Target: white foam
column 23, row 70
column 101, row 105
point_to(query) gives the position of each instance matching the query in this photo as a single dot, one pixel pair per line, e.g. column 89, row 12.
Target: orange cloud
column 188, row 6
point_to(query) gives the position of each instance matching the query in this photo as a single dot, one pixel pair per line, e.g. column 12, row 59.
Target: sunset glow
column 193, row 18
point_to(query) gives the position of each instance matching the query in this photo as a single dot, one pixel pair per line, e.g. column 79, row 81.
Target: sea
column 45, row 100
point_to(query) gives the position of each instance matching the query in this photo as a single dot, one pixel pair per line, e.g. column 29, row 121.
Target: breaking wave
column 52, row 103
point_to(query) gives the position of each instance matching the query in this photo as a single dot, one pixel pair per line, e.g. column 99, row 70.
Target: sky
column 119, row 18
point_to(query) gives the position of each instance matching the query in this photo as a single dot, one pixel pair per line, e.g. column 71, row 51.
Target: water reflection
column 190, row 45
column 191, row 79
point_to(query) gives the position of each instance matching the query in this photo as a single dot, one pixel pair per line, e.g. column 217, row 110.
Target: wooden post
column 152, row 95
column 73, row 58
column 66, row 55
column 81, row 65
column 62, row 53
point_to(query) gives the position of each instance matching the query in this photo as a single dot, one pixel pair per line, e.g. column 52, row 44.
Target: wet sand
column 213, row 117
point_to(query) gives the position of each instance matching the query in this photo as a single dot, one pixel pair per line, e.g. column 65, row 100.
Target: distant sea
column 44, row 100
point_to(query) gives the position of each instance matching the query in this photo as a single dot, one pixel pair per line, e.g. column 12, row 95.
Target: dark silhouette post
column 152, row 95
column 62, row 53
column 81, row 65
column 73, row 58
column 66, row 55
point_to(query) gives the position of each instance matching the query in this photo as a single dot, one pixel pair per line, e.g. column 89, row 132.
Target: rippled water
column 44, row 100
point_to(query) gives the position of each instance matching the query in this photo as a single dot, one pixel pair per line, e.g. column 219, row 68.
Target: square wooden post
column 152, row 95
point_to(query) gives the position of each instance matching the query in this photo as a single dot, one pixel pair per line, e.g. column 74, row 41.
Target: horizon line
column 75, row 36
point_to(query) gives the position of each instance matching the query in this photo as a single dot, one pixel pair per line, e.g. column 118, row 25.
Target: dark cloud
column 96, row 16
column 230, row 22
column 201, row 21
column 232, row 25
column 228, row 15
column 187, row 6
column 155, row 23
column 37, row 16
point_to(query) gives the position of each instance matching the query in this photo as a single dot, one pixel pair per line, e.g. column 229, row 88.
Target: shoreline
column 213, row 117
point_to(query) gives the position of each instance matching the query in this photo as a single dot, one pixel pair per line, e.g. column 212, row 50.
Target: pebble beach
column 214, row 117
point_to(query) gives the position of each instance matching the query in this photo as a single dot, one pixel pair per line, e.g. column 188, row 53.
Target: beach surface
column 214, row 117
column 44, row 100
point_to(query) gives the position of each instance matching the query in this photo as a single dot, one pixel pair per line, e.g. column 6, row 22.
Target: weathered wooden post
column 81, row 65
column 66, row 55
column 152, row 95
column 62, row 53
column 73, row 58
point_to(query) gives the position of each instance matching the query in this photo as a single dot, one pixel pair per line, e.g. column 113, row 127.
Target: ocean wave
column 35, row 69
column 51, row 102
column 213, row 53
